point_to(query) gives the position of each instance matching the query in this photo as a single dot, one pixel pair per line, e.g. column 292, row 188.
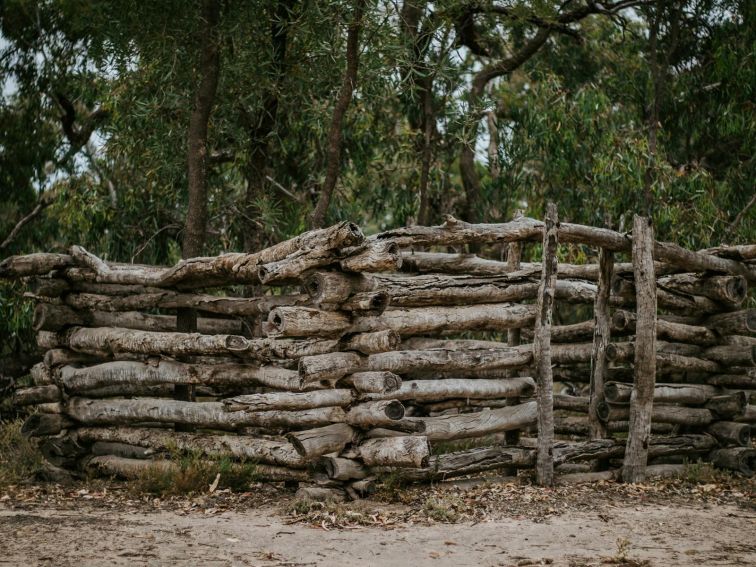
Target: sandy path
column 664, row 535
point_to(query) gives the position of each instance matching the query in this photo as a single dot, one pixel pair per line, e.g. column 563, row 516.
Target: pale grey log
column 313, row 443
column 289, row 400
column 373, row 382
column 428, row 390
column 395, row 451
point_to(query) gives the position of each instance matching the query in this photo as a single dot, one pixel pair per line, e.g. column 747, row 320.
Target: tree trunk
column 211, row 415
column 642, row 400
column 333, row 152
column 209, row 70
column 314, row 443
column 395, row 452
column 270, row 451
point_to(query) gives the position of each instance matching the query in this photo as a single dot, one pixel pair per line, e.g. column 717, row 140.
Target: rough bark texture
column 542, row 350
column 314, row 443
column 289, row 400
column 429, row 390
column 642, row 401
column 395, row 452
column 601, row 338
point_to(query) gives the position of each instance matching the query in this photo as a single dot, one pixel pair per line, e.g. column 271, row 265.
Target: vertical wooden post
column 601, row 337
column 542, row 350
column 642, row 398
column 514, row 255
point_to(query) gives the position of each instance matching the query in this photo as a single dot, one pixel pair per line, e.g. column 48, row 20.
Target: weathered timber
column 289, row 400
column 395, row 452
column 679, row 415
column 329, row 367
column 375, row 413
column 121, row 467
column 572, row 403
column 422, row 320
column 373, row 382
column 624, row 321
column 156, row 371
column 642, row 400
column 313, row 443
column 211, row 415
column 731, row 433
column 41, row 374
column 617, row 392
column 732, row 380
column 730, row 291
column 113, row 340
column 601, row 338
column 274, row 451
column 368, row 303
column 748, row 415
column 373, row 256
column 624, row 294
column 471, row 461
column 738, row 459
column 56, row 357
column 156, row 298
column 338, row 468
column 49, row 317
column 306, row 322
column 480, row 423
column 732, row 355
column 728, row 406
column 42, row 424
column 668, row 362
column 37, row 264
column 740, row 252
column 735, row 323
column 439, row 289
column 118, row 449
column 371, row 343
column 36, row 395
column 428, row 390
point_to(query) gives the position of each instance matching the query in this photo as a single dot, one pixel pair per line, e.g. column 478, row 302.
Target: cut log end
column 395, row 410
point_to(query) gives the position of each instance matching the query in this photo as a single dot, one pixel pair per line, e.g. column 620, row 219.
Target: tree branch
column 42, row 203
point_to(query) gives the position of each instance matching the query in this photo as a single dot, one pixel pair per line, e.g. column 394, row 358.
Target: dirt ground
column 660, row 525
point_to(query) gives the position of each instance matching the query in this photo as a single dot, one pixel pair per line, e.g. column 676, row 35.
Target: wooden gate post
column 514, row 254
column 542, row 350
column 601, row 337
column 644, row 379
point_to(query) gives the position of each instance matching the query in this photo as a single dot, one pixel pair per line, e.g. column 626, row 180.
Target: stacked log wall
column 364, row 356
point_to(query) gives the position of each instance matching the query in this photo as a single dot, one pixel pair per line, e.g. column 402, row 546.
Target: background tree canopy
column 116, row 116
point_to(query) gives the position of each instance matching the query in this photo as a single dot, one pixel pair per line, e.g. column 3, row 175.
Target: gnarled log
column 371, row 343
column 428, row 390
column 665, row 414
column 373, row 382
column 731, row 433
column 289, row 400
column 375, row 414
column 373, row 257
column 617, row 392
column 306, row 322
column 738, row 459
column 36, row 395
column 313, row 443
column 728, row 290
column 395, row 452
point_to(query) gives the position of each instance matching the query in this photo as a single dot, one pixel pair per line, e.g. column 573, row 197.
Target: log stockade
column 362, row 357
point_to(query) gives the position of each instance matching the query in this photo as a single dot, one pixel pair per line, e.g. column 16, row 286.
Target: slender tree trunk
column 209, row 69
column 601, row 338
column 333, row 162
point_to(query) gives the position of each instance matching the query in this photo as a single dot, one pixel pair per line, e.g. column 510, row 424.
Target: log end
column 603, row 411
column 736, row 289
column 236, row 343
column 620, row 320
column 611, row 392
column 394, row 410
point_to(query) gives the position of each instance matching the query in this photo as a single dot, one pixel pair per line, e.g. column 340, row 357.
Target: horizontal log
column 728, row 406
column 130, row 469
column 738, row 459
column 735, row 323
column 624, row 290
column 211, row 415
column 41, row 374
column 56, row 357
column 395, row 452
column 732, row 380
column 366, row 303
column 373, row 382
column 36, row 395
column 156, row 298
column 740, row 252
column 155, row 372
column 727, row 290
column 423, row 320
column 429, row 390
column 624, row 322
column 38, row 264
column 118, row 449
column 255, row 449
column 314, row 443
column 478, row 424
column 665, row 414
column 338, row 468
column 578, row 425
column 572, row 403
column 748, row 415
column 731, row 433
column 617, row 392
column 113, row 340
column 732, row 355
column 306, row 322
column 49, row 317
column 289, row 400
column 375, row 414
column 42, row 424
column 373, row 257
column 371, row 343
